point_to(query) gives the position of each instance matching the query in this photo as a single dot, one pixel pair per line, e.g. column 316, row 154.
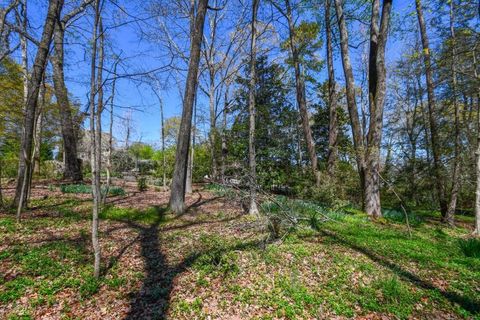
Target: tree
column 297, row 41
column 54, row 9
column 96, row 134
column 332, row 96
column 368, row 157
column 177, row 195
column 73, row 168
column 252, row 112
column 437, row 166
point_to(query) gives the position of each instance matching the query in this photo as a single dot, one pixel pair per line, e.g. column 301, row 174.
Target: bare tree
column 177, row 195
column 39, row 66
column 251, row 112
column 95, row 142
column 73, row 168
column 450, row 214
column 332, row 96
column 437, row 166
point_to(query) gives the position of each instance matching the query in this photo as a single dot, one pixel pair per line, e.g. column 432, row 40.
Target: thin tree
column 251, row 112
column 437, row 166
column 332, row 97
column 177, row 195
column 35, row 81
column 300, row 88
column 110, row 136
column 450, row 214
column 94, row 136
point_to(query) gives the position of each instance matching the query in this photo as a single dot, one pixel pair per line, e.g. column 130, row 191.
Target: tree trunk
column 110, row 137
column 213, row 126
column 96, row 192
column 377, row 83
column 301, row 95
column 252, row 112
column 38, row 130
column 350, row 93
column 25, row 156
column 437, row 166
column 477, row 171
column 332, row 98
column 224, row 135
column 73, row 170
column 177, row 195
column 450, row 215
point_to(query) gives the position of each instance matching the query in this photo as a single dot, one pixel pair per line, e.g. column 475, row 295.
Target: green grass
column 341, row 264
column 87, row 189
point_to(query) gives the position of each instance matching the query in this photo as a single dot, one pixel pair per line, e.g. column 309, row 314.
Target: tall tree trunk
column 72, row 170
column 253, row 209
column 35, row 80
column 38, row 130
column 377, row 83
column 301, row 95
column 191, row 153
column 162, row 134
column 110, row 136
column 96, row 192
column 437, row 166
column 350, row 93
column 213, row 125
column 477, row 171
column 224, row 135
column 177, row 195
column 332, row 97
column 450, row 215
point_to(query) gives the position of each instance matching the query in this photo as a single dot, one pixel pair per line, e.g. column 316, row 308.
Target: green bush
column 470, row 247
column 142, row 184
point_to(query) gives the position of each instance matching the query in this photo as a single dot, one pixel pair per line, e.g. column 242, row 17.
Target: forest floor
column 213, row 263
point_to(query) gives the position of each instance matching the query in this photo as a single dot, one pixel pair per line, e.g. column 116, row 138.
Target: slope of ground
column 213, row 263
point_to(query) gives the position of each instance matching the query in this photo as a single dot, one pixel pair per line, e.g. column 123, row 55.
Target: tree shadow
column 152, row 301
column 465, row 302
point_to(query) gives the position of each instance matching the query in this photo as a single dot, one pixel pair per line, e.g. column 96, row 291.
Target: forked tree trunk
column 38, row 131
column 377, row 83
column 177, row 195
column 35, row 80
column 253, row 209
column 301, row 95
column 72, row 170
column 437, row 166
column 332, row 97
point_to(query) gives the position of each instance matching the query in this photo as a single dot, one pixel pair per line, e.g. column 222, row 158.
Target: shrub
column 86, row 189
column 142, row 183
column 470, row 247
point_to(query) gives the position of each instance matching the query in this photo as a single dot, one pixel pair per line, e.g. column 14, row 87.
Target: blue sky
column 140, row 54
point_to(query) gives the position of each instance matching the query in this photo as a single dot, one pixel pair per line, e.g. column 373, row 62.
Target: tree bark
column 39, row 66
column 449, row 218
column 377, row 83
column 177, row 195
column 253, row 209
column 224, row 135
column 301, row 95
column 73, row 170
column 332, row 97
column 38, row 130
column 350, row 93
column 95, row 152
column 437, row 166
